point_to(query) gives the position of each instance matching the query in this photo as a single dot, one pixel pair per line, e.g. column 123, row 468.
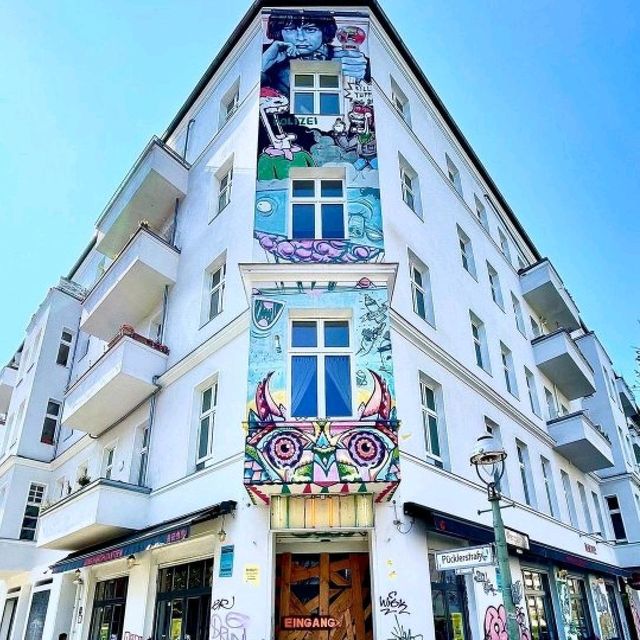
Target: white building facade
column 248, row 410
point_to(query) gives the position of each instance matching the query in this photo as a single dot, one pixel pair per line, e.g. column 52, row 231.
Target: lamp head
column 488, row 458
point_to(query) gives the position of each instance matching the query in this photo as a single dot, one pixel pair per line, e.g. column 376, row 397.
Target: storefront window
column 37, row 615
column 613, row 607
column 449, row 602
column 109, row 604
column 581, row 626
column 536, row 591
column 183, row 601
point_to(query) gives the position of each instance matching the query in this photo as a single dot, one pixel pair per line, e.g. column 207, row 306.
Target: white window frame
column 51, row 416
column 321, row 352
column 552, row 409
column 229, row 103
column 208, row 415
column 508, row 369
column 317, row 200
column 481, row 213
column 524, row 465
column 517, row 313
column 599, row 514
column 569, row 498
column 107, row 463
column 410, row 186
column 144, row 434
column 35, row 501
column 582, row 492
column 315, row 69
column 435, row 413
column 400, row 102
column 616, row 511
column 453, row 173
column 549, row 488
column 536, row 327
column 494, row 283
column 219, row 265
column 479, row 339
column 466, row 253
column 225, row 182
column 65, row 343
column 416, row 266
column 504, row 245
column 532, row 392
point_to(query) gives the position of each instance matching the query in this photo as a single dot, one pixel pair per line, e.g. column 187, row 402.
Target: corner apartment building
column 251, row 403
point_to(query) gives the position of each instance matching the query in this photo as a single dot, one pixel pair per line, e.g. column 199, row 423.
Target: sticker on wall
column 226, row 561
column 252, row 574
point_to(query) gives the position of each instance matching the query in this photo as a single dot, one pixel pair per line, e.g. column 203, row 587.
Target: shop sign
column 591, row 548
column 516, row 539
column 310, row 622
column 465, row 557
column 226, row 561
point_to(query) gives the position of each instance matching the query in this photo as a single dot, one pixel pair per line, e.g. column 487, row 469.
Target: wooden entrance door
column 323, row 589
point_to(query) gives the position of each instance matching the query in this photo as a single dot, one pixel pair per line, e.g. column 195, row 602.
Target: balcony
column 8, row 377
column 543, row 289
column 132, row 286
column 16, row 556
column 627, row 399
column 322, row 456
column 581, row 442
column 558, row 357
column 119, row 381
column 149, row 192
column 102, row 510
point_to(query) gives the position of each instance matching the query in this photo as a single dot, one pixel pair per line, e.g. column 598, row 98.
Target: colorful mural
column 287, row 452
column 316, row 111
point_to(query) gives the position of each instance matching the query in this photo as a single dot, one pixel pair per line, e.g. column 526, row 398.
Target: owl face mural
column 317, row 127
column 321, row 416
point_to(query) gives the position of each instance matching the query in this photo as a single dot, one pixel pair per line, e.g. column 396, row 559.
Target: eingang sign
column 465, row 557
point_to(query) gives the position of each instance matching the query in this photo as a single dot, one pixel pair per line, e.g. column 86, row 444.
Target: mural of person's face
column 306, row 38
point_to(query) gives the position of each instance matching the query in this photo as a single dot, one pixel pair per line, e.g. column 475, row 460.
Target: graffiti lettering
column 495, row 623
column 399, row 632
column 232, row 626
column 483, row 578
column 392, row 603
column 223, row 603
column 302, row 121
column 131, row 636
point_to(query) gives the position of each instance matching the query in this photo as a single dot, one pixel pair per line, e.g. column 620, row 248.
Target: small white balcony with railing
column 132, row 287
column 101, row 510
column 581, row 442
column 149, row 192
column 122, row 378
column 558, row 358
column 544, row 290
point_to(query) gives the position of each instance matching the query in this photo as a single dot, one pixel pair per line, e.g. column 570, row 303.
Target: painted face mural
column 289, row 449
column 317, row 119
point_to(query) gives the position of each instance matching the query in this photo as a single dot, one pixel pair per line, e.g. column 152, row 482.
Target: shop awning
column 478, row 534
column 168, row 532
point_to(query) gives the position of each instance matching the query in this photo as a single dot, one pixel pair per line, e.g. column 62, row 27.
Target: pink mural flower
column 495, row 623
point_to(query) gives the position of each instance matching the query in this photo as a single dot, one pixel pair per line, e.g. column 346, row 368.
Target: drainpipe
column 186, row 138
column 174, row 229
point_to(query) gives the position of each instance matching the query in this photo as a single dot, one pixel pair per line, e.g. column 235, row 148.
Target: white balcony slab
column 120, row 380
column 148, row 192
column 629, row 405
column 558, row 357
column 544, row 290
column 580, row 441
column 102, row 510
column 132, row 286
column 16, row 556
column 8, row 377
column 628, row 555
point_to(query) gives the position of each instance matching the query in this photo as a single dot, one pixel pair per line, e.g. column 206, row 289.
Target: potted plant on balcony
column 84, row 480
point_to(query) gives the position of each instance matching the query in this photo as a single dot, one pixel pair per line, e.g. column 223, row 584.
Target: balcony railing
column 100, row 510
column 149, row 192
column 122, row 378
column 581, row 441
column 558, row 357
column 133, row 285
column 544, row 290
column 318, row 456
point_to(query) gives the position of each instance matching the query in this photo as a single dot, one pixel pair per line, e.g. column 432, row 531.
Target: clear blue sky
column 546, row 92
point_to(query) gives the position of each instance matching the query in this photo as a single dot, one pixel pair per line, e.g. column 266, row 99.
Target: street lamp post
column 488, row 459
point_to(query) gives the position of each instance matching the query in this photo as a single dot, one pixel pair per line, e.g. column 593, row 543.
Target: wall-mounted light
column 222, row 534
column 78, row 577
column 131, row 562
